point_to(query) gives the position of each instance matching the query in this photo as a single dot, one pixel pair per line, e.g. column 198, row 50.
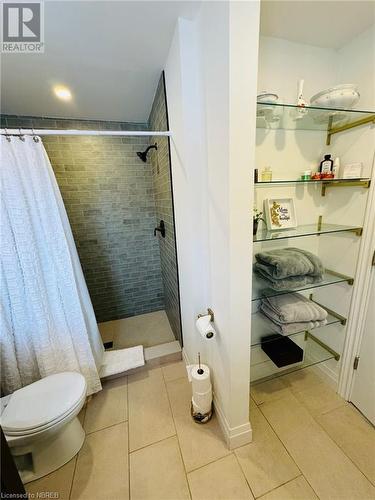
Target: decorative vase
column 255, row 226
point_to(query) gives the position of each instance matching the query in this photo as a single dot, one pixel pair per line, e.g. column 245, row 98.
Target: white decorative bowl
column 267, row 97
column 340, row 97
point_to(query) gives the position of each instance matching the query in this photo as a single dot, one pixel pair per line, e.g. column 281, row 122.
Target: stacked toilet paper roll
column 205, row 327
column 202, row 389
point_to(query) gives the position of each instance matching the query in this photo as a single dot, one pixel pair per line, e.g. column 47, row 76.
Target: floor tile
column 319, row 399
column 265, row 462
column 102, row 466
column 150, row 417
column 157, row 472
column 145, row 329
column 59, row 481
column 81, row 414
column 173, row 371
column 300, row 380
column 297, row 489
column 200, row 444
column 107, row 407
column 267, row 391
column 355, row 436
column 327, row 469
column 220, row 480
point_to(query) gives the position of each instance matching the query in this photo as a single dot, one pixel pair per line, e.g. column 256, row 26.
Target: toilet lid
column 43, row 401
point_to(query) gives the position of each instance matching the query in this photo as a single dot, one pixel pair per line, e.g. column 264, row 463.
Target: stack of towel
column 293, row 313
column 288, row 268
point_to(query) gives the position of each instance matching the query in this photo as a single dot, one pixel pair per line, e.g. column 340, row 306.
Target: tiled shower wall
column 164, row 209
column 108, row 194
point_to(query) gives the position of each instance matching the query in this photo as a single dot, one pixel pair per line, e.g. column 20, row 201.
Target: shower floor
column 146, row 329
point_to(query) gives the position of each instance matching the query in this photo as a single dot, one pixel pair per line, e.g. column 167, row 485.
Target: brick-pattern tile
column 109, row 197
column 164, row 209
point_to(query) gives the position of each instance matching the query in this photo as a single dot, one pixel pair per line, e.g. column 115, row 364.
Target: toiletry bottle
column 326, row 165
column 336, row 168
column 267, row 174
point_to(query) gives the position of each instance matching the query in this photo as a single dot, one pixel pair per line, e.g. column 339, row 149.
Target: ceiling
column 329, row 24
column 110, row 54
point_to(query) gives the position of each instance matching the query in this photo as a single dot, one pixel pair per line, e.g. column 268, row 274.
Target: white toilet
column 40, row 423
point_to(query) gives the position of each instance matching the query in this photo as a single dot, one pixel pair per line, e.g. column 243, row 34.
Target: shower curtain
column 47, row 320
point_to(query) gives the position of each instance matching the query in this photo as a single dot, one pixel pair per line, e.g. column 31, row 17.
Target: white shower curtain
column 47, row 320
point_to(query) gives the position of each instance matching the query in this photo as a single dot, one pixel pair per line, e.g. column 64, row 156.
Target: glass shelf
column 263, row 368
column 261, row 327
column 313, row 181
column 303, row 230
column 261, row 287
column 292, row 117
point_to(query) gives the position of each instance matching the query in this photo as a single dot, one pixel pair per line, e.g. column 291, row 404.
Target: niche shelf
column 305, row 230
column 261, row 290
column 292, row 117
column 329, row 121
column 315, row 352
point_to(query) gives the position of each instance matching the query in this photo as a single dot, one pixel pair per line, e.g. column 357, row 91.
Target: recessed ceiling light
column 62, row 93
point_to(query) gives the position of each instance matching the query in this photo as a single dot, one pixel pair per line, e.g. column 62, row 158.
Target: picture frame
column 280, row 213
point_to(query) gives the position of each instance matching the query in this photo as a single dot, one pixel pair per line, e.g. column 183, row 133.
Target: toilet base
column 49, row 454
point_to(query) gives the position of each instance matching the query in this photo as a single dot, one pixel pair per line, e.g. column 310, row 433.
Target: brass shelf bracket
column 332, row 184
column 335, row 354
column 358, row 231
column 335, row 130
column 342, row 319
column 348, row 279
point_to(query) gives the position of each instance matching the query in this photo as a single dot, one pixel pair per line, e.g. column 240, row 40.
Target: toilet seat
column 43, row 404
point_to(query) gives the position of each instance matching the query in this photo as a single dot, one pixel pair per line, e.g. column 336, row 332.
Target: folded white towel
column 292, row 308
column 121, row 360
column 291, row 328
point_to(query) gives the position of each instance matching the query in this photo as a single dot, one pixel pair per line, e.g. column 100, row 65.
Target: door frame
column 361, row 297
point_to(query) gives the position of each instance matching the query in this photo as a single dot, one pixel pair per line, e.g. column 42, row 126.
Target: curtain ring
column 7, row 136
column 35, row 137
column 22, row 137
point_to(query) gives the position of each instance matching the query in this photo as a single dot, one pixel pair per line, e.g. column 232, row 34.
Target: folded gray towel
column 287, row 284
column 288, row 262
column 291, row 328
column 292, row 308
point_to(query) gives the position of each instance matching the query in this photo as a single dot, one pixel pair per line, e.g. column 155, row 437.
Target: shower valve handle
column 160, row 228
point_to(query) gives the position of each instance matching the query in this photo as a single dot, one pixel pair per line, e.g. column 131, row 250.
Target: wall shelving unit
column 329, row 121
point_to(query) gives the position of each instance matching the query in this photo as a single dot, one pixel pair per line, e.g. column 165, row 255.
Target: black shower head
column 143, row 154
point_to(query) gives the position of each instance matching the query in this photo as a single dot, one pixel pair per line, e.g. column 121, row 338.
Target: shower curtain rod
column 21, row 132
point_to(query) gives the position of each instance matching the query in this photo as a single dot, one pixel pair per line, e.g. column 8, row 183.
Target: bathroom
column 183, row 100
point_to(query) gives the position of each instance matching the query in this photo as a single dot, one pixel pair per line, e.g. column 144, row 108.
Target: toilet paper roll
column 205, row 327
column 202, row 402
column 201, row 382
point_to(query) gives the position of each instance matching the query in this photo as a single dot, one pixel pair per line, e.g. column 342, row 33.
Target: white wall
column 211, row 100
column 282, row 63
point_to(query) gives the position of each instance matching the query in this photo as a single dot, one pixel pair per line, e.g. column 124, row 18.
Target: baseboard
column 185, row 357
column 330, row 375
column 234, row 437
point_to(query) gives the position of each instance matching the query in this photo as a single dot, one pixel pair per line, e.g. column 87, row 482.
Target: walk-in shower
column 122, row 219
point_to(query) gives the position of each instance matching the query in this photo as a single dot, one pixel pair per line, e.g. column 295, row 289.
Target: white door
column 363, row 393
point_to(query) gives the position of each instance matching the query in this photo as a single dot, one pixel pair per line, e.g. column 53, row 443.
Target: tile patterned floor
column 142, row 444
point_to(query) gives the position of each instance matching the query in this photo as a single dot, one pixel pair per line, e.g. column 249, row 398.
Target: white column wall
column 211, row 99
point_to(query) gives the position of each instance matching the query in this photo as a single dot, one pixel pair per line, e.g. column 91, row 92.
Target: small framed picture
column 280, row 213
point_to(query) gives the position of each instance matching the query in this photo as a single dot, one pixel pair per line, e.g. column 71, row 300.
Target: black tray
column 281, row 350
